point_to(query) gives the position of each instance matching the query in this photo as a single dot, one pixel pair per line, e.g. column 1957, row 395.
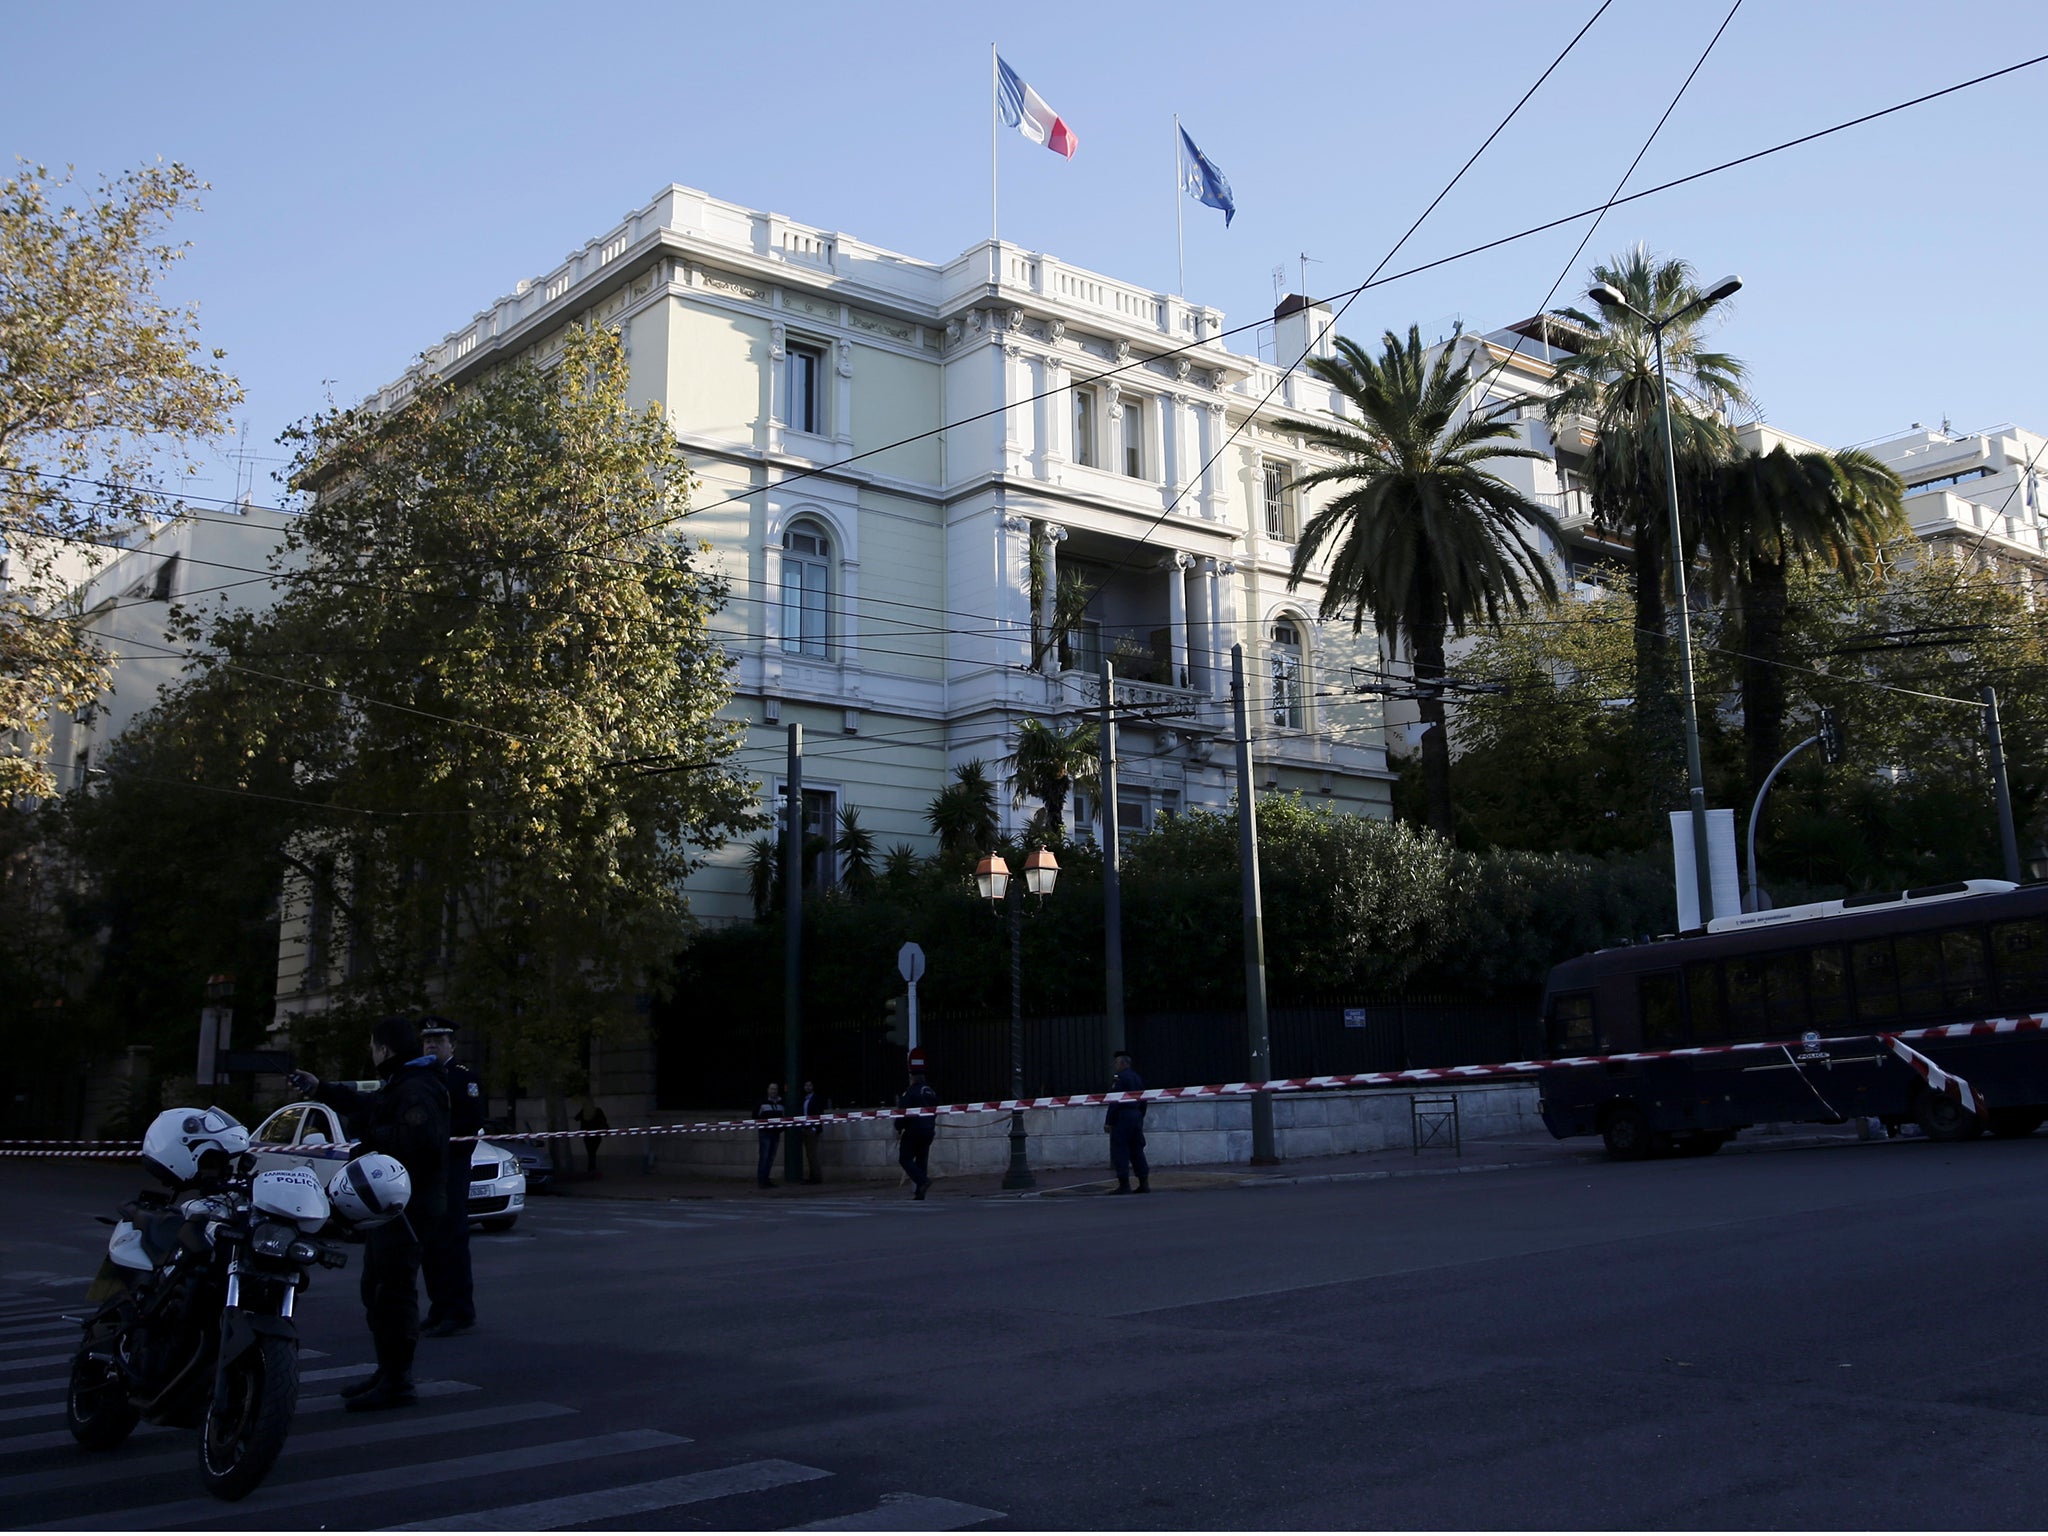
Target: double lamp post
column 992, row 878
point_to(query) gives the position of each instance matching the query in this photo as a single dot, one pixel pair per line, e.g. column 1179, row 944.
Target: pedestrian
column 591, row 1117
column 809, row 1107
column 407, row 1118
column 770, row 1109
column 451, row 1290
column 915, row 1132
column 1126, row 1126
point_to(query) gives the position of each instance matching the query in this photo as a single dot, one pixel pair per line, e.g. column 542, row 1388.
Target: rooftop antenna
column 1279, row 283
column 1305, row 260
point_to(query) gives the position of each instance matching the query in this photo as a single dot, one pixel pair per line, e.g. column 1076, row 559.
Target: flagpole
column 994, row 86
column 1180, row 239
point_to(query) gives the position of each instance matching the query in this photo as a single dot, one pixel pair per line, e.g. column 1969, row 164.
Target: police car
column 314, row 1136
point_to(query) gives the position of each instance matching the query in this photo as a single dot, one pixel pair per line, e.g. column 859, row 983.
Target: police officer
column 915, row 1133
column 1126, row 1126
column 451, row 1294
column 407, row 1118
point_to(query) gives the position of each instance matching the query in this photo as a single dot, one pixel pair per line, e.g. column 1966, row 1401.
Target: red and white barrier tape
column 1939, row 1080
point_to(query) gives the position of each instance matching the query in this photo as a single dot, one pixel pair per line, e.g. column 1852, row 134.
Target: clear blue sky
column 381, row 172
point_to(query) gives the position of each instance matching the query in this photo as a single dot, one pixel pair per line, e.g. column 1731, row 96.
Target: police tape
column 1938, row 1080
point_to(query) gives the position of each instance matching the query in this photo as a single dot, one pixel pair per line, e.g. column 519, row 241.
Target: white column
column 1202, row 628
column 1177, row 615
column 1177, row 436
column 1051, row 537
column 1112, row 455
column 1213, row 479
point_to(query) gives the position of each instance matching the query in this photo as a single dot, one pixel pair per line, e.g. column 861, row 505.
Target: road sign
column 910, row 963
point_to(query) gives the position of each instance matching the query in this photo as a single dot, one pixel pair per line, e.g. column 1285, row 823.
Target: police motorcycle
column 194, row 1327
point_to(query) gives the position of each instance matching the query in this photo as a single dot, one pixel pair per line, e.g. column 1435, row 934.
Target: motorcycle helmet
column 184, row 1145
column 370, row 1190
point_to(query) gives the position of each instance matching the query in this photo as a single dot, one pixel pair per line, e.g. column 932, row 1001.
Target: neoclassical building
column 908, row 468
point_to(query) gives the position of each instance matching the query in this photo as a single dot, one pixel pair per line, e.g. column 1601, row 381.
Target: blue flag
column 1204, row 183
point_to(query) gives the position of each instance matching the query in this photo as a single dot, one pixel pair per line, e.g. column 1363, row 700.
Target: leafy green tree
column 494, row 690
column 1612, row 382
column 1424, row 537
column 1764, row 514
column 1048, row 764
column 963, row 815
column 101, row 384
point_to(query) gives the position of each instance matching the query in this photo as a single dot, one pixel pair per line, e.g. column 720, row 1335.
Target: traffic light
column 1830, row 736
column 899, row 1027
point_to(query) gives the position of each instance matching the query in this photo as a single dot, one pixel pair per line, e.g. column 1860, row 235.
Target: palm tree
column 963, row 814
column 1764, row 514
column 1425, row 536
column 855, row 846
column 1612, row 381
column 1049, row 764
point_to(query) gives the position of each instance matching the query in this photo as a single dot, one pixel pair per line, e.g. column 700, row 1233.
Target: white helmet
column 370, row 1190
column 181, row 1144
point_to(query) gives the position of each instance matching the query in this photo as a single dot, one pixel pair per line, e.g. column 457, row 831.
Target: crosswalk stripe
column 31, row 1388
column 423, row 1388
column 355, row 1484
column 58, row 1384
column 908, row 1512
column 60, row 1439
column 112, row 1468
column 335, row 1372
column 633, row 1499
column 16, row 1346
column 55, row 1407
column 35, row 1362
column 29, row 1330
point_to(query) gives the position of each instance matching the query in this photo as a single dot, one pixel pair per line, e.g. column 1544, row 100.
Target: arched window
column 806, row 579
column 1284, row 660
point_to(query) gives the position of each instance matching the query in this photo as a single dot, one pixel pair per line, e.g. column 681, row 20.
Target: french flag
column 1025, row 110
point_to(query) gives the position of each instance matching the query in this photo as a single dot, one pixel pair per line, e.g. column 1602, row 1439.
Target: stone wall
column 1197, row 1131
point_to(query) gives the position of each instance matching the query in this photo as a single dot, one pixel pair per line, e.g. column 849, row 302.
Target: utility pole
column 793, row 942
column 1254, row 920
column 1112, row 877
column 2008, row 838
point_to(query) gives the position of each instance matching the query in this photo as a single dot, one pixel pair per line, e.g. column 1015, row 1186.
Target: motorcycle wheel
column 245, row 1427
column 96, row 1408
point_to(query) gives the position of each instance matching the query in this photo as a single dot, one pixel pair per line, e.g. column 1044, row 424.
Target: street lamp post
column 992, row 879
column 1696, row 784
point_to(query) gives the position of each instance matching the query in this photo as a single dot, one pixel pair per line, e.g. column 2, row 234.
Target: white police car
column 315, row 1138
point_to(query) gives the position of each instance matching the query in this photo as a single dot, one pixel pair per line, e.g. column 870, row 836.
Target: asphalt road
column 1828, row 1338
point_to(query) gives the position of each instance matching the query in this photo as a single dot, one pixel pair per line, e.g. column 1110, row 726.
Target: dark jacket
column 814, row 1104
column 408, row 1119
column 771, row 1109
column 465, row 1100
column 1125, row 1117
column 918, row 1127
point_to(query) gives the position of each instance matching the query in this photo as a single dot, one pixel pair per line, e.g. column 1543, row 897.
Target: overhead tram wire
column 1344, row 294
column 1379, row 282
column 1593, row 228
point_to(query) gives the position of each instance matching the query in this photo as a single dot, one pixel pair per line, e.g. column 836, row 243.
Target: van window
column 1827, row 987
column 2019, row 952
column 1785, row 992
column 1919, row 960
column 1876, row 978
column 1569, row 1029
column 1703, row 1000
column 1657, row 1003
column 1748, row 1016
column 1965, row 975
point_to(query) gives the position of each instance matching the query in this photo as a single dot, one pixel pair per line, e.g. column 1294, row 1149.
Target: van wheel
column 1627, row 1133
column 2012, row 1123
column 1943, row 1119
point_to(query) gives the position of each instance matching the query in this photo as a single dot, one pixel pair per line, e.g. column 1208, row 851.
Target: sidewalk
column 626, row 1182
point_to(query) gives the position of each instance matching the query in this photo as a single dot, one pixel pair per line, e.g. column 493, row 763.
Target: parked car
column 317, row 1140
column 535, row 1162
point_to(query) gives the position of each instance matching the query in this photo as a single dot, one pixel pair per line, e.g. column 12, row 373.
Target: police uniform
column 407, row 1119
column 451, row 1295
column 1126, row 1126
column 917, row 1132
